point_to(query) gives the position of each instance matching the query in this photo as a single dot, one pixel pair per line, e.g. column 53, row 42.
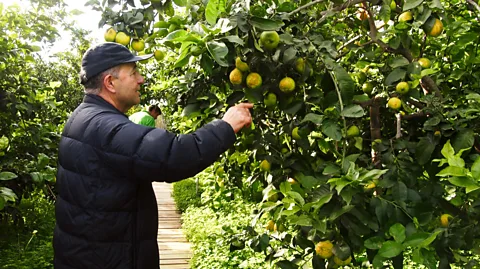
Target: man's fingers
column 245, row 105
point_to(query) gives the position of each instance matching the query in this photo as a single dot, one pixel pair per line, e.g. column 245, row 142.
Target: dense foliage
column 365, row 120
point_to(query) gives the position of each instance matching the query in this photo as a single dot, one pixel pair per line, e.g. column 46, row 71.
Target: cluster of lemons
column 136, row 44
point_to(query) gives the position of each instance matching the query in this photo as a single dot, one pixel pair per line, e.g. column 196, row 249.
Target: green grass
column 27, row 243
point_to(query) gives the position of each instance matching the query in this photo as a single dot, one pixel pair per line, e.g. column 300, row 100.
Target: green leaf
column 447, row 150
column 453, row 171
column 375, row 242
column 331, row 129
column 345, row 83
column 322, row 200
column 463, row 182
column 424, row 150
column 302, row 220
column 396, row 75
column 212, row 11
column 7, row 176
column 8, row 194
column 286, row 265
column 297, row 197
column 315, row 118
column 353, row 111
column 234, row 39
column 398, row 232
column 340, row 212
column 425, row 243
column 175, row 35
column 399, row 62
column 180, row 3
column 390, row 249
column 416, row 239
column 409, row 4
column 265, row 24
column 218, row 50
column 463, row 140
column 476, row 169
column 2, row 201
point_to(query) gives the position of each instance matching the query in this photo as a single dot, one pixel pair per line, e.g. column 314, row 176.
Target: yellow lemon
column 287, row 85
column 394, row 103
column 254, row 80
column 324, row 249
column 110, row 35
column 236, row 77
column 122, row 38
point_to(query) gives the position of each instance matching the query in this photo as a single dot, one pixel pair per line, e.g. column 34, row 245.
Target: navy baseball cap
column 105, row 56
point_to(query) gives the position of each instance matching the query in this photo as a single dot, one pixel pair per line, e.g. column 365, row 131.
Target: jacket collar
column 99, row 101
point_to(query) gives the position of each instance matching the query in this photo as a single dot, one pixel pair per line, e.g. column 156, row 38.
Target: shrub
column 185, row 194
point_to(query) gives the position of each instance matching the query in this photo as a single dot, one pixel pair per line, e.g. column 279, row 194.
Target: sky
column 88, row 21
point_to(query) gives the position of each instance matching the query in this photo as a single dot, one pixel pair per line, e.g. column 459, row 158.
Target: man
column 106, row 209
column 146, row 118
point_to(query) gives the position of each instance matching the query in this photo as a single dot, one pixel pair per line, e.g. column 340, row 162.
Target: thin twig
column 345, row 5
column 475, row 5
column 364, row 104
column 417, row 115
column 304, row 6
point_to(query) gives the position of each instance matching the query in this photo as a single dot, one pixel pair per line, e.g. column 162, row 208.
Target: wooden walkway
column 175, row 251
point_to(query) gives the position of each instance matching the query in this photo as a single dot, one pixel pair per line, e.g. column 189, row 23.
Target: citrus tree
column 364, row 148
column 35, row 99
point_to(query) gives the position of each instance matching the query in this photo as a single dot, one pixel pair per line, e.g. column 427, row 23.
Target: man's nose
column 141, row 80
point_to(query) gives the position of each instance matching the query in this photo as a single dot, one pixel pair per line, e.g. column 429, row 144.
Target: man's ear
column 108, row 83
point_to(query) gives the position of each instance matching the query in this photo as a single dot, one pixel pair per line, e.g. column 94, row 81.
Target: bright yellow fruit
column 324, row 249
column 434, row 29
column 402, row 87
column 370, row 185
column 138, row 45
column 122, row 38
column 425, row 63
column 444, row 220
column 338, row 261
column 287, row 85
column 353, row 131
column 269, row 40
column 437, row 133
column 240, row 65
column 265, row 165
column 236, row 77
column 110, row 35
column 159, row 55
column 254, row 80
column 394, row 103
column 405, row 17
column 270, row 225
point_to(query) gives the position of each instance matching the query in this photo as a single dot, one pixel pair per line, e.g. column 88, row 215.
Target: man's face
column 127, row 86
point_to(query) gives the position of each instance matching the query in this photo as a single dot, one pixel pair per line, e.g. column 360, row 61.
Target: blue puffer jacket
column 106, row 209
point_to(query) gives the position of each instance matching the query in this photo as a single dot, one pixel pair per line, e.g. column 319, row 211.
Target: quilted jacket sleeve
column 164, row 156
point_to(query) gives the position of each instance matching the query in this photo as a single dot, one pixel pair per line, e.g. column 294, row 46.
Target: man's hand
column 239, row 116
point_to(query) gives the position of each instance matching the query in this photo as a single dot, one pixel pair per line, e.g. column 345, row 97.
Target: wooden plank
column 174, row 261
column 173, row 246
column 174, row 249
